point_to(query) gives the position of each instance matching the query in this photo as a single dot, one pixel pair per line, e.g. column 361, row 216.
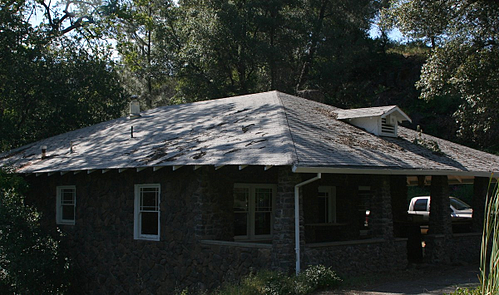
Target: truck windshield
column 458, row 204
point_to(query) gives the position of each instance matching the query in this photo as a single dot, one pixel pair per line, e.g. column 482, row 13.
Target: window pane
column 323, row 207
column 67, row 196
column 263, row 209
column 68, row 212
column 240, row 224
column 263, row 199
column 262, row 223
column 241, row 199
column 421, row 205
column 149, row 199
column 149, row 223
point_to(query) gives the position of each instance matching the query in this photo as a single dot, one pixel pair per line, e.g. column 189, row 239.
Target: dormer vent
column 387, row 128
column 381, row 121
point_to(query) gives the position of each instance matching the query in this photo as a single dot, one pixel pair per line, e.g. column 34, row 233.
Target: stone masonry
column 197, row 248
column 440, row 226
column 283, row 241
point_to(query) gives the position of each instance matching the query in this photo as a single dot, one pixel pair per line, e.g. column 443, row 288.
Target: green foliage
column 312, row 279
column 463, row 61
column 196, row 50
column 31, row 261
column 489, row 253
column 466, row 291
column 318, row 277
column 52, row 81
column 489, row 256
column 145, row 32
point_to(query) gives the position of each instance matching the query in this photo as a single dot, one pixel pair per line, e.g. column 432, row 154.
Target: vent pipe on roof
column 134, row 108
column 44, row 151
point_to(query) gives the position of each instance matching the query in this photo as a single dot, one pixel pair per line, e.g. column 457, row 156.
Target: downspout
column 297, row 219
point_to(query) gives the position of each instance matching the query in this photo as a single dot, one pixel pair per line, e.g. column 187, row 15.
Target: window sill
column 236, row 244
column 345, row 243
column 155, row 239
column 66, row 223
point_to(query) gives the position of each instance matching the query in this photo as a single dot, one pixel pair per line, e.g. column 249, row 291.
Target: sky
column 393, row 34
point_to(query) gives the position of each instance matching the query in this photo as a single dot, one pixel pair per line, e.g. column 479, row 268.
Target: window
column 327, row 204
column 146, row 220
column 253, row 208
column 66, row 204
column 421, row 205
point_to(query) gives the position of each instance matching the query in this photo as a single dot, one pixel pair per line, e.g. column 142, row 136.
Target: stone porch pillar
column 398, row 192
column 381, row 218
column 440, row 225
column 283, row 235
column 480, row 187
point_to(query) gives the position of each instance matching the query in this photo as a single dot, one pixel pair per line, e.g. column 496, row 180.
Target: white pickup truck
column 419, row 209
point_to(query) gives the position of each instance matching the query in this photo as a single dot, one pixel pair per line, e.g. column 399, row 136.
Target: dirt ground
column 416, row 279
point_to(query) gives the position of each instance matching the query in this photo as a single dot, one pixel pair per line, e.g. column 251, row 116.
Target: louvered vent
column 387, row 129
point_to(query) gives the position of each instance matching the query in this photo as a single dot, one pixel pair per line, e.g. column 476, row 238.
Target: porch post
column 381, row 213
column 398, row 191
column 283, row 235
column 440, row 225
column 480, row 186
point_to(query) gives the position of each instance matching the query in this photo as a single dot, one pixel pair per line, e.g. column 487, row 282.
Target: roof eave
column 389, row 171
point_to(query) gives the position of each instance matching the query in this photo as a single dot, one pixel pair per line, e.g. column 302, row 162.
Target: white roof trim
column 388, row 171
column 373, row 112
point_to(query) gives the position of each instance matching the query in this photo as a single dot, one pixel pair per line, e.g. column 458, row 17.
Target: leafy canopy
column 464, row 35
column 31, row 261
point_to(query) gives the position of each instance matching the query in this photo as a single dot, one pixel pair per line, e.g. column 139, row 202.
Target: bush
column 319, row 277
column 275, row 283
column 489, row 256
column 489, row 273
column 30, row 259
column 466, row 291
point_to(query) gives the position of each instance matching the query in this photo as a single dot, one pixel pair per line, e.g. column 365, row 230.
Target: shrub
column 276, row 283
column 489, row 256
column 318, row 277
column 30, row 259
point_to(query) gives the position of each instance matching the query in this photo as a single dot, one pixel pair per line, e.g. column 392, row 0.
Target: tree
column 235, row 47
column 463, row 61
column 31, row 261
column 50, row 84
column 145, row 32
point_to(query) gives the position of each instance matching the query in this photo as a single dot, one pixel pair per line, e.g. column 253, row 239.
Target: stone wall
column 465, row 248
column 196, row 247
column 195, row 205
column 358, row 257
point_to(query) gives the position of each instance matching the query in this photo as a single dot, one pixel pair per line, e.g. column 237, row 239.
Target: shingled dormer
column 381, row 121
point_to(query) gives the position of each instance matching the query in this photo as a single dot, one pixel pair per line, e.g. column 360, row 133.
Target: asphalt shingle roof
column 270, row 128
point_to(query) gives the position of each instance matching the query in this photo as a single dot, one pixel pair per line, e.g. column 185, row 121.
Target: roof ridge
column 286, row 121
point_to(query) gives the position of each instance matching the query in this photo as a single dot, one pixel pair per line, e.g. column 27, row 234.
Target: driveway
column 419, row 279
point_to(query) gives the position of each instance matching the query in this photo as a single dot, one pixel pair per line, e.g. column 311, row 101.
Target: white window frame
column 137, row 213
column 331, row 202
column 251, row 211
column 59, row 205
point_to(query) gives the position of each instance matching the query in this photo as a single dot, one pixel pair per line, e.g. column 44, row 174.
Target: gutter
column 389, row 171
column 297, row 219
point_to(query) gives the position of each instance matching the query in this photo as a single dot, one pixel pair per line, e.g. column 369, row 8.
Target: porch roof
column 267, row 129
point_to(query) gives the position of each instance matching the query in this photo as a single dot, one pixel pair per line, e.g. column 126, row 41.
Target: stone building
column 198, row 194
